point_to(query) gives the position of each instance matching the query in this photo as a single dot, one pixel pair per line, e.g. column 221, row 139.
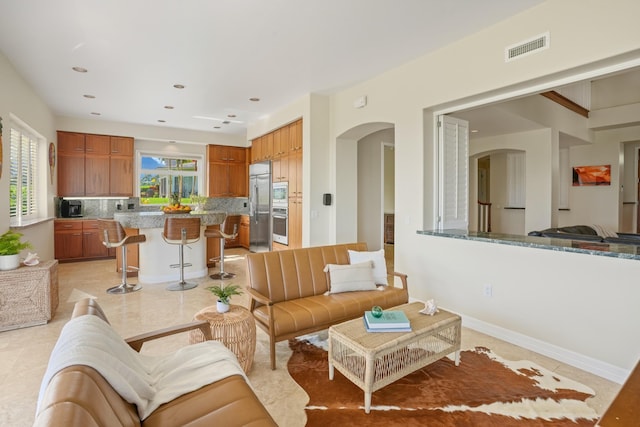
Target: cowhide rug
column 485, row 390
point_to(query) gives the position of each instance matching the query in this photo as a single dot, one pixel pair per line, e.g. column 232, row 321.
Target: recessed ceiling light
column 89, row 96
column 226, row 122
column 474, row 130
column 216, row 127
column 161, row 121
column 95, row 114
column 169, row 107
column 231, row 115
column 172, row 142
column 178, row 86
column 254, row 99
column 79, row 69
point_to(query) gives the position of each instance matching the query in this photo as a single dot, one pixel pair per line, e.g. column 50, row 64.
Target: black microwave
column 71, row 208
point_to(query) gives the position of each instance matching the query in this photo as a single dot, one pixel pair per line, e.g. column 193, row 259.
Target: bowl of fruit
column 176, row 209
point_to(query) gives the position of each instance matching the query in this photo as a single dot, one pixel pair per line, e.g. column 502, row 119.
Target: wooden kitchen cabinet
column 243, row 233
column 121, row 146
column 285, row 145
column 280, row 142
column 70, row 163
column 67, row 239
column 295, row 174
column 71, row 143
column 121, row 166
column 295, row 223
column 97, row 145
column 76, row 239
column 92, row 246
column 256, row 150
column 228, row 171
column 295, row 135
column 94, row 165
column 70, row 174
column 96, row 175
column 280, row 169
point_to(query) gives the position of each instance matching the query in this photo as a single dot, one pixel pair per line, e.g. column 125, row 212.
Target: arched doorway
column 363, row 188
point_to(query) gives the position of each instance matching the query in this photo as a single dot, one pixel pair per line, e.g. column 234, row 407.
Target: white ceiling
column 223, row 51
column 605, row 92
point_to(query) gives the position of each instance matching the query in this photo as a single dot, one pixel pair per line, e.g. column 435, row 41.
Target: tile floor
column 24, row 352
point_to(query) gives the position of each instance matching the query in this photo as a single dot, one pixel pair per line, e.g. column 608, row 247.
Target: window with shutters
column 453, row 209
column 516, row 180
column 24, row 171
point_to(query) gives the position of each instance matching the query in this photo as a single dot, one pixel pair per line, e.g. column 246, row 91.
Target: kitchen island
column 157, row 256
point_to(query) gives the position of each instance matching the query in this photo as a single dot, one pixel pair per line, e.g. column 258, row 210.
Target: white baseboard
column 580, row 361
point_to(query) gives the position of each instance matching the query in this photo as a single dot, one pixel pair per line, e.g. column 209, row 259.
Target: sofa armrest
column 136, row 342
column 258, row 297
column 403, row 278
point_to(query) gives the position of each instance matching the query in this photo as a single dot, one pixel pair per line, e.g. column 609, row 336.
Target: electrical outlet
column 487, row 290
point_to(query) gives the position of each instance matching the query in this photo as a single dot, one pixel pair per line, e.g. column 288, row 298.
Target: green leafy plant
column 225, row 292
column 10, row 243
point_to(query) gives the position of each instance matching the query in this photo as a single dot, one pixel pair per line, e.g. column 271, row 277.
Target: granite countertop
column 155, row 219
column 564, row 245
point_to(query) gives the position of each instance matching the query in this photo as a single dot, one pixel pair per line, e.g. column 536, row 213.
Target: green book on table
column 390, row 319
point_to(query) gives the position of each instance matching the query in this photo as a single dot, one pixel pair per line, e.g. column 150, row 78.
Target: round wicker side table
column 236, row 329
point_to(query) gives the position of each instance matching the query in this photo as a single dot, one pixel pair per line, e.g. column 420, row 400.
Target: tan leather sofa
column 287, row 290
column 80, row 396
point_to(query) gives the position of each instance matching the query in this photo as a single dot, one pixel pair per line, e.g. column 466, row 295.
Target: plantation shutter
column 453, row 173
column 23, row 176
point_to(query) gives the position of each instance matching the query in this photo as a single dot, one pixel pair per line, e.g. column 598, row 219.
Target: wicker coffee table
column 372, row 360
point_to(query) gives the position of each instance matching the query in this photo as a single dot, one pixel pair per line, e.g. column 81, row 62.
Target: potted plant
column 224, row 293
column 10, row 247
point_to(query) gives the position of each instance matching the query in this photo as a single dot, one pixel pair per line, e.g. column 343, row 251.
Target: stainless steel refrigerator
column 260, row 207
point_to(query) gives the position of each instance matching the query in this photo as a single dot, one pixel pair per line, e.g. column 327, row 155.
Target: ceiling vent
column 527, row 47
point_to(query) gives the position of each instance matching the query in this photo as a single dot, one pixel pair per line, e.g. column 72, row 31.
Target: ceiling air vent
column 527, row 47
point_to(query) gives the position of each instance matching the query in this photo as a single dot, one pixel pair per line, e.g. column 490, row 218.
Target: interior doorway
column 360, row 181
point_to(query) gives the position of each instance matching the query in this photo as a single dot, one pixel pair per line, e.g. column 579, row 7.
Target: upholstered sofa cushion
column 379, row 263
column 350, row 277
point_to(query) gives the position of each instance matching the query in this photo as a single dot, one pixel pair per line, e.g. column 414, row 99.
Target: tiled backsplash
column 104, row 208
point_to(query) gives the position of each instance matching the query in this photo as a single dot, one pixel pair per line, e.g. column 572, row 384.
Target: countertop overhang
column 563, row 245
column 156, row 219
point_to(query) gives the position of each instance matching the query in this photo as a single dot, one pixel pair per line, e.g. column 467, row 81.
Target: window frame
column 198, row 174
column 36, row 170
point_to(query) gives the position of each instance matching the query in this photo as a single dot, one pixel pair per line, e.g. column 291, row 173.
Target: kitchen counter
column 156, row 256
column 156, row 219
column 561, row 245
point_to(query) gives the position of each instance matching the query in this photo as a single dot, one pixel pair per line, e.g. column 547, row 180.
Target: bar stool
column 114, row 236
column 181, row 231
column 224, row 233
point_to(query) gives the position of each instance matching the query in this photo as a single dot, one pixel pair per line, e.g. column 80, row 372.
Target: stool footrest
column 186, row 264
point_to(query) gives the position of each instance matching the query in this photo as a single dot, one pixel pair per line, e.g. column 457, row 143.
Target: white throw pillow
column 350, row 277
column 379, row 263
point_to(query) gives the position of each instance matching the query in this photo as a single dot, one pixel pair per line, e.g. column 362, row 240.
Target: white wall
column 406, row 95
column 18, row 98
column 538, row 148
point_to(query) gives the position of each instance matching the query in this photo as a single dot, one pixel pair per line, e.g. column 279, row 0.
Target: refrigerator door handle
column 254, row 204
